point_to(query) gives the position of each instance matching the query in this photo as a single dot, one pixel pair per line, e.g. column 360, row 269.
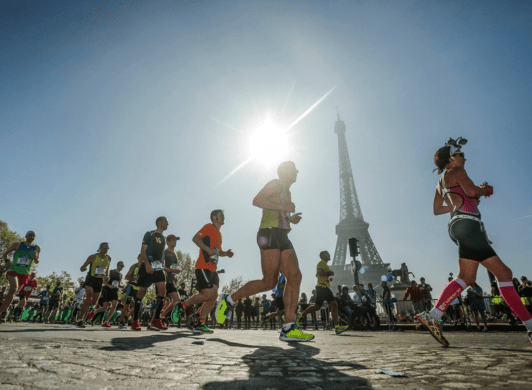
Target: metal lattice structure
column 352, row 222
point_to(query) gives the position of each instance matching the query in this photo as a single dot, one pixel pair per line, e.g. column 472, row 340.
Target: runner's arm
column 89, row 260
column 129, row 275
column 199, row 242
column 37, row 254
column 262, row 201
column 468, row 186
column 11, row 249
column 439, row 207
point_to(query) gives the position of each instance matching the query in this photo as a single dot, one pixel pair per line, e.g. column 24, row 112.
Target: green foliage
column 66, row 282
column 233, row 285
column 7, row 237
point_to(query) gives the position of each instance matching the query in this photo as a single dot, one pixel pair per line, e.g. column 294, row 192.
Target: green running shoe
column 339, row 329
column 295, row 334
column 202, row 328
column 224, row 311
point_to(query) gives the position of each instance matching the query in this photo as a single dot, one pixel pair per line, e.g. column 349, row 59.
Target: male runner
column 78, row 301
column 56, row 294
column 171, row 267
column 112, row 284
column 324, row 293
column 152, row 271
column 23, row 296
column 26, row 253
column 277, row 252
column 131, row 293
column 43, row 303
column 98, row 264
column 209, row 240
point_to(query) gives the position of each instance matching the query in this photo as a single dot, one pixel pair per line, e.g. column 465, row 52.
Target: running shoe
column 106, row 325
column 299, row 317
column 295, row 334
column 529, row 333
column 224, row 310
column 202, row 328
column 122, row 326
column 178, row 312
column 158, row 325
column 433, row 327
column 136, row 325
column 80, row 324
column 339, row 329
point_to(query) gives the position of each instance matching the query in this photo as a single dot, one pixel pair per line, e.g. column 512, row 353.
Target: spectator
column 416, row 296
column 312, row 301
column 371, row 292
column 387, row 301
column 476, row 303
column 273, row 309
column 239, row 310
column 427, row 296
column 339, row 292
column 303, row 305
column 346, row 303
column 265, row 307
column 248, row 303
column 501, row 307
column 526, row 293
column 256, row 311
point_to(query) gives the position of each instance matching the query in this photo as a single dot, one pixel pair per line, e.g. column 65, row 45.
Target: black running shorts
column 280, row 303
column 146, row 280
column 130, row 293
column 206, row 279
column 274, row 238
column 471, row 238
column 94, row 282
column 170, row 288
column 323, row 294
column 110, row 294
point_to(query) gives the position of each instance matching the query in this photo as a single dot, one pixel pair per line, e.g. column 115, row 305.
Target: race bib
column 100, row 271
column 174, row 266
column 115, row 283
column 157, row 265
column 23, row 262
column 27, row 288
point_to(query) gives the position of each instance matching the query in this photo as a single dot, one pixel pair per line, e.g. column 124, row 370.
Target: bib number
column 157, row 265
column 27, row 288
column 100, row 271
column 174, row 266
column 23, row 262
column 115, row 283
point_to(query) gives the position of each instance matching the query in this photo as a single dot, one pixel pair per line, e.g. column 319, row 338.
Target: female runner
column 456, row 194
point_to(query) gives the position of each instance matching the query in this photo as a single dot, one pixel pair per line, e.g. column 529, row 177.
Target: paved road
column 62, row 356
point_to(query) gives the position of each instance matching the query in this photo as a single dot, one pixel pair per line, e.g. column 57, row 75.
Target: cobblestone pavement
column 62, row 356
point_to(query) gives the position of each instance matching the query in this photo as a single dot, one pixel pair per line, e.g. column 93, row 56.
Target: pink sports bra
column 469, row 205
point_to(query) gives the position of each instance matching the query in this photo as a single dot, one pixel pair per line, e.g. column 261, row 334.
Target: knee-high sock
column 450, row 292
column 158, row 308
column 137, row 309
column 511, row 297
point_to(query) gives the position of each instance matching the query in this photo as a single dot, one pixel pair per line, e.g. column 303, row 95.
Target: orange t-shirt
column 213, row 239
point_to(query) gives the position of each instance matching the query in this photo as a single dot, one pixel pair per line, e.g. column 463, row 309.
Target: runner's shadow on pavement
column 134, row 343
column 293, row 368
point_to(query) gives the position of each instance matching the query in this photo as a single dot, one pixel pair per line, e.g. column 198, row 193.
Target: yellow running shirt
column 99, row 266
column 277, row 218
column 323, row 281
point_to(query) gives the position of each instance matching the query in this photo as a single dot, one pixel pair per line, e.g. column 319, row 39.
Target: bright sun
column 269, row 144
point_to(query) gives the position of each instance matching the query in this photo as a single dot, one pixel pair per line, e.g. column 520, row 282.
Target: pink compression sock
column 511, row 297
column 450, row 292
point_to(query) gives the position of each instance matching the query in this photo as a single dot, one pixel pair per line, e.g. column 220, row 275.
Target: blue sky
column 114, row 113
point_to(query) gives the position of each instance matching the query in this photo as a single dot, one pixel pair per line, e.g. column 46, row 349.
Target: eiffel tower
column 352, row 224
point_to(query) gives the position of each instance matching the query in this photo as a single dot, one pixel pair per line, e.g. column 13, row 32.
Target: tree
column 233, row 285
column 7, row 237
column 66, row 282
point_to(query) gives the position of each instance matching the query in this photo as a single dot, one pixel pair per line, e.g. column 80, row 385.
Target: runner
column 324, row 293
column 56, row 294
column 26, row 253
column 152, row 271
column 209, row 240
column 171, row 267
column 98, row 264
column 110, row 292
column 23, row 296
column 279, row 292
column 78, row 301
column 277, row 252
column 458, row 195
column 131, row 294
column 43, row 304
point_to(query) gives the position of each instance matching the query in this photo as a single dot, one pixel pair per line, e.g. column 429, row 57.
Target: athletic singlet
column 170, row 261
column 277, row 218
column 98, row 267
column 469, row 205
column 114, row 278
column 135, row 275
column 23, row 259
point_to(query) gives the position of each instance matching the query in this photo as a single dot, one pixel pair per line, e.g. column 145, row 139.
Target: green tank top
column 277, row 218
column 23, row 259
column 99, row 266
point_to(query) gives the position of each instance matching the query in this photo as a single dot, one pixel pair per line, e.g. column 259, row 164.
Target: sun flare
column 269, row 144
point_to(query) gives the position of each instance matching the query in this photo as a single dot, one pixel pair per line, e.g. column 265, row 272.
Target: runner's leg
column 290, row 269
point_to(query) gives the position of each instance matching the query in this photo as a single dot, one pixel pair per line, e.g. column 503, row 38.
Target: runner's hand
column 149, row 269
column 295, row 218
column 229, row 253
column 222, row 271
